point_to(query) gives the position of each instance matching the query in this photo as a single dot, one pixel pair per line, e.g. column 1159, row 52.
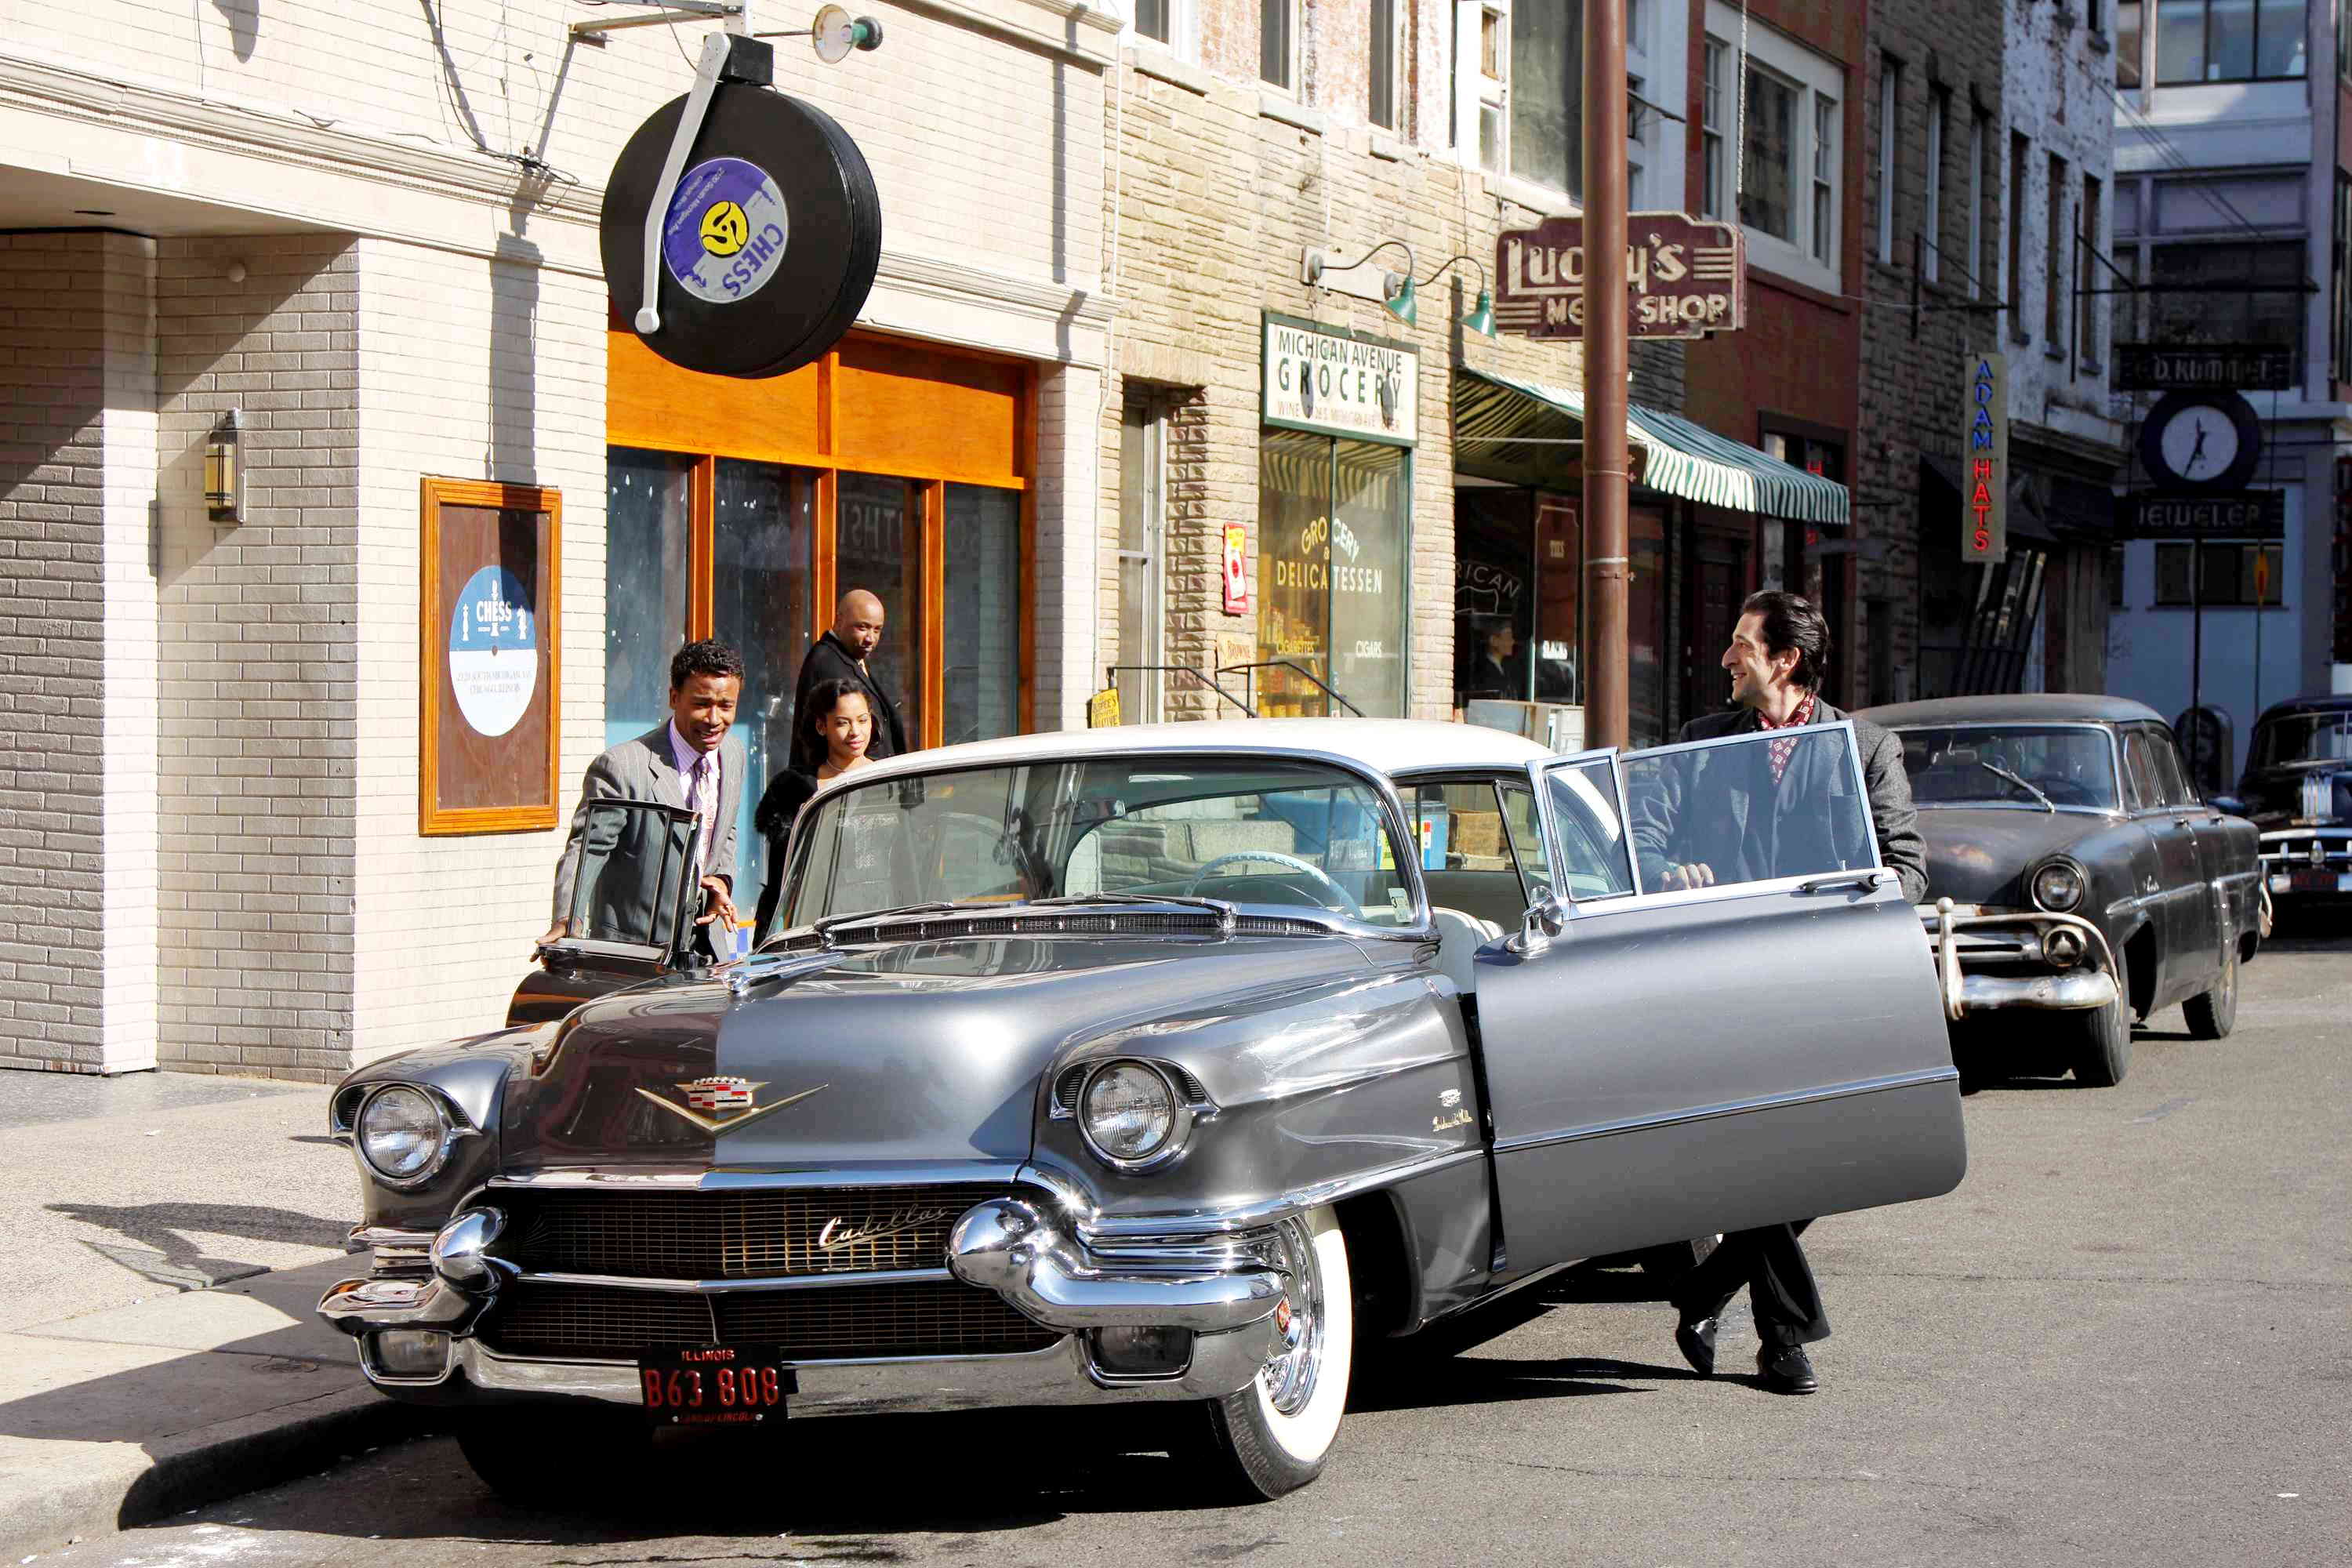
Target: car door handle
column 1863, row 881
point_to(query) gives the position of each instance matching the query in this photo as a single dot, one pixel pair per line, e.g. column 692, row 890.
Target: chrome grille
column 850, row 1322
column 736, row 1235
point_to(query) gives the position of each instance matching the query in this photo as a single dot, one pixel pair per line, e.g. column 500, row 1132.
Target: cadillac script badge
column 722, row 1097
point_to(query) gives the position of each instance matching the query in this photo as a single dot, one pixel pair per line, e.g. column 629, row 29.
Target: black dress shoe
column 1695, row 1337
column 1787, row 1370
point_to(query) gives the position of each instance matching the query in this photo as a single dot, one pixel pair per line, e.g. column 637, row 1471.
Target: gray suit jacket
column 644, row 769
column 1729, row 827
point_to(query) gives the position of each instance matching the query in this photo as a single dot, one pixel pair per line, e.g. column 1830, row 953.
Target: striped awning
column 1673, row 455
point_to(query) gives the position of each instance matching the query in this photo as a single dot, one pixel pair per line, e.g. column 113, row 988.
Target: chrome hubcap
column 1289, row 1372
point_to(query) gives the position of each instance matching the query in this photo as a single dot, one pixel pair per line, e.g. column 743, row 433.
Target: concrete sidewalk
column 124, row 1416
column 169, row 1234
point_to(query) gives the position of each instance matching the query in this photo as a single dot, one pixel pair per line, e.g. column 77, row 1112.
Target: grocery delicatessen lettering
column 1311, row 567
column 1340, row 367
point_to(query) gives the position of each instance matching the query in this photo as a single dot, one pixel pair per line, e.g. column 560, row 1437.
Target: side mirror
column 1544, row 921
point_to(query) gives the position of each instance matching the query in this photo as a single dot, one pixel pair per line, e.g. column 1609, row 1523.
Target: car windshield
column 1976, row 764
column 1255, row 832
column 2304, row 738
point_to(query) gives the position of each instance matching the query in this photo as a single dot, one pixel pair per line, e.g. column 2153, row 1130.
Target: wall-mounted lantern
column 224, row 470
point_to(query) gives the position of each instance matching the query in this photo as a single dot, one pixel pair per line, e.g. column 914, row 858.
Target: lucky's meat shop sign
column 1684, row 277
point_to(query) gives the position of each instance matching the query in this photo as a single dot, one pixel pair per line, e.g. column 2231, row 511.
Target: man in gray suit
column 688, row 760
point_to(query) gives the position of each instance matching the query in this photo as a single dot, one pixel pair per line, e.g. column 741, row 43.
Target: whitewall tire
column 1273, row 1436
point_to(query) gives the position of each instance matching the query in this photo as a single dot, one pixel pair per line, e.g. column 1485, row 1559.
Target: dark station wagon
column 2074, row 874
column 2297, row 787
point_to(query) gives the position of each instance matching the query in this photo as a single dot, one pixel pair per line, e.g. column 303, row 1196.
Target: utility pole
column 1607, row 693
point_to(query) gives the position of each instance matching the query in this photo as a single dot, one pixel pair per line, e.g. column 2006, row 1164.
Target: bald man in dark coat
column 840, row 655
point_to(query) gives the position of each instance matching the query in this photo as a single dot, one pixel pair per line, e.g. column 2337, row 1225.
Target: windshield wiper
column 2002, row 773
column 831, row 923
column 1226, row 912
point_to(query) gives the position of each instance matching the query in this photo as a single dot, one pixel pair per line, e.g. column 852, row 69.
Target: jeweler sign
column 2252, row 514
column 1340, row 384
column 1684, row 277
column 1984, row 460
column 2203, row 367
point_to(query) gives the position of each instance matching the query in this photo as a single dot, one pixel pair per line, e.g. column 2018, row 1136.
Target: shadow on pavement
column 163, row 1253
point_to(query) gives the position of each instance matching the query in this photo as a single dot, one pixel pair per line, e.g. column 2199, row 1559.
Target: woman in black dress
column 839, row 726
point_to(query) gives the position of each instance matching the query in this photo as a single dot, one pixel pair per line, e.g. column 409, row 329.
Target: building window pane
column 979, row 635
column 2230, row 41
column 1890, row 146
column 1975, row 256
column 762, row 543
column 879, row 546
column 2020, row 164
column 2088, row 275
column 2226, row 574
column 1931, row 259
column 1294, row 578
column 1152, row 19
column 1275, row 41
column 1824, row 225
column 1383, row 108
column 2278, row 37
column 648, row 512
column 1141, row 530
column 2242, row 293
column 2054, row 256
column 2180, row 42
column 2340, row 273
column 2127, row 37
column 1711, row 129
column 1370, row 509
column 1547, row 99
column 1765, row 202
column 2126, row 325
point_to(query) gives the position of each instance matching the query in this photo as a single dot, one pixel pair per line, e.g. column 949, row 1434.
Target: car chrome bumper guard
column 1226, row 1296
column 2086, row 985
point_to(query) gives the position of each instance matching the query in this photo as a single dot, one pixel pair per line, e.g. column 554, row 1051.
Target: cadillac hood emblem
column 729, row 1101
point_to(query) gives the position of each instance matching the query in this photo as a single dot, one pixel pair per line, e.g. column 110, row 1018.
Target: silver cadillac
column 1163, row 1067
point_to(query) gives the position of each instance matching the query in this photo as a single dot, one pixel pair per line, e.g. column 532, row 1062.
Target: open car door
column 1666, row 1060
column 632, row 911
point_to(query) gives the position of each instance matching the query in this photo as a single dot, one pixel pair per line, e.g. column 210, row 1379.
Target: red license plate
column 714, row 1385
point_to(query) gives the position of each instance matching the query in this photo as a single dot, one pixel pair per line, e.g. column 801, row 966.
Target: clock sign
column 2201, row 441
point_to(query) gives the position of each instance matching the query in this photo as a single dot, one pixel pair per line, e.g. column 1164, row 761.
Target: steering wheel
column 1346, row 903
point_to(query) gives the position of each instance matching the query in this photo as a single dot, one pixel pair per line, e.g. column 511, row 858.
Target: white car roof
column 1384, row 745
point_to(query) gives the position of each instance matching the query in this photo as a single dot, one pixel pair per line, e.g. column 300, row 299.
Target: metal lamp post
column 1606, row 461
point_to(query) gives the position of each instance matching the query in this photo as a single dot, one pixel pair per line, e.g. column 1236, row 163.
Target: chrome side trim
column 730, row 1287
column 1102, row 1231
column 1730, row 1107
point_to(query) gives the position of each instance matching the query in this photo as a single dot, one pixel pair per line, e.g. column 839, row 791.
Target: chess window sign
column 1984, row 460
column 1333, row 382
column 489, row 659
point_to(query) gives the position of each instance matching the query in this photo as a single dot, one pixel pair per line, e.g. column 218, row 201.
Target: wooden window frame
column 432, row 819
column 827, row 463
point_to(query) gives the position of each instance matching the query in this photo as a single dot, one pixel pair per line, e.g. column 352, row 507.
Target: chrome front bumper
column 1987, row 961
column 1223, row 1292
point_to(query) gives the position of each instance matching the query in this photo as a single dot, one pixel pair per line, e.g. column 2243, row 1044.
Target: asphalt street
column 2121, row 1341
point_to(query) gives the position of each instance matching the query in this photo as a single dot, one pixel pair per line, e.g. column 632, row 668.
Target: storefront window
column 763, row 556
column 1368, row 575
column 647, row 514
column 879, row 546
column 1645, row 627
column 1559, row 636
column 1331, row 578
column 980, row 635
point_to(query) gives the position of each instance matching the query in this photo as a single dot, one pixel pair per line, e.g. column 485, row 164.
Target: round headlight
column 1127, row 1111
column 2058, row 887
column 401, row 1133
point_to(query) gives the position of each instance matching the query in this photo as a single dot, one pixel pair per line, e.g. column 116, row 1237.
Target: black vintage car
column 2297, row 787
column 2074, row 874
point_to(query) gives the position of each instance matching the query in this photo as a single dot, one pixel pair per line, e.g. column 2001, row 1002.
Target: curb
column 208, row 1464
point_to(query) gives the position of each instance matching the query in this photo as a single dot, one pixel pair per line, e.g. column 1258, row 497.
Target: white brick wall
column 258, row 689
column 466, row 370
column 77, row 412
